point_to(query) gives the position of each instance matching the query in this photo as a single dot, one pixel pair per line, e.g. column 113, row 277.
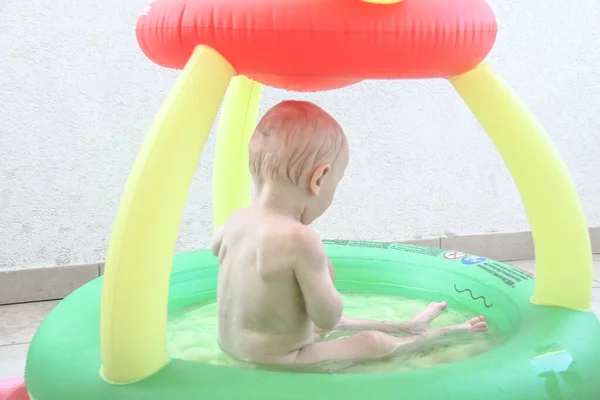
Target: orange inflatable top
column 323, row 44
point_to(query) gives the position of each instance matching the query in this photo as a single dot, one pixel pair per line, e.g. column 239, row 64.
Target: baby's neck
column 282, row 199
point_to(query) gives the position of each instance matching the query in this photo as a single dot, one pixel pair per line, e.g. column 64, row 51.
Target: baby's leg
column 418, row 324
column 375, row 344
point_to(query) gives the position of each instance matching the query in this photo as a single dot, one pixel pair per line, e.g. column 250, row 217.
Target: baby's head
column 297, row 144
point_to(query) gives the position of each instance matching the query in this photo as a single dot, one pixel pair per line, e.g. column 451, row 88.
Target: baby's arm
column 323, row 302
column 215, row 242
column 331, row 270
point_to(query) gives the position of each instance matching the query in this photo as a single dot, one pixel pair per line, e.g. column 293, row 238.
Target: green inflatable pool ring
column 547, row 352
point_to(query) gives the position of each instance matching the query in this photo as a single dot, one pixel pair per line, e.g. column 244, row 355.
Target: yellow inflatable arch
column 138, row 265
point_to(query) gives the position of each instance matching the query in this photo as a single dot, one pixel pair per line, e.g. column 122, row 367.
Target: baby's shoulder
column 294, row 239
column 285, row 229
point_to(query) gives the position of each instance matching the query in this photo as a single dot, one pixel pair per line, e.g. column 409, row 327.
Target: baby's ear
column 316, row 180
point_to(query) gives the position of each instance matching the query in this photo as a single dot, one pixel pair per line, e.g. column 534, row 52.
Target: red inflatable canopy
column 323, row 44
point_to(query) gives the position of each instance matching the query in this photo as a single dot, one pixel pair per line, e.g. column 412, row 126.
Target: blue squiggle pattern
column 473, row 297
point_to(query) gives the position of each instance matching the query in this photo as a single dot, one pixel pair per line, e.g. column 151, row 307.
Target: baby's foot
column 476, row 324
column 473, row 325
column 422, row 319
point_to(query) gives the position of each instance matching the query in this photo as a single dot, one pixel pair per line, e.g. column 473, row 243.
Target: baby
column 276, row 298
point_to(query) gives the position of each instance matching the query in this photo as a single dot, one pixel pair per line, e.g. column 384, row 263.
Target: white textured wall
column 77, row 96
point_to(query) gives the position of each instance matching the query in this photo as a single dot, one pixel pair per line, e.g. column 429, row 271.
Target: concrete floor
column 19, row 322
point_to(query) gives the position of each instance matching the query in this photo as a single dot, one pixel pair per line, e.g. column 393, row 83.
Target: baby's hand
column 331, row 270
column 319, row 333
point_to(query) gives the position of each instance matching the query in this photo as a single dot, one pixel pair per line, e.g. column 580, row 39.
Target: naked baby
column 276, row 295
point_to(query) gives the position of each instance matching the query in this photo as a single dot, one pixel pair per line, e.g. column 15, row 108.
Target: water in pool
column 192, row 335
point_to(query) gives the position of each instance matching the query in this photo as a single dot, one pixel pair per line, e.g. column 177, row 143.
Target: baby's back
column 262, row 315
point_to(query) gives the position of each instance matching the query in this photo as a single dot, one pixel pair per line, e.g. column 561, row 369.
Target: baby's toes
column 480, row 326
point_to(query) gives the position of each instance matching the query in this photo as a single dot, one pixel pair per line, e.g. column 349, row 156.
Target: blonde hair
column 293, row 138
